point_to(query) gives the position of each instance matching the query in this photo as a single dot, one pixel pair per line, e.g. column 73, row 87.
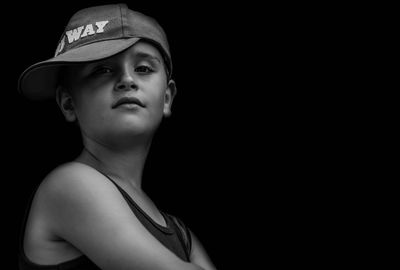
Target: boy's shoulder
column 71, row 170
column 72, row 167
column 72, row 177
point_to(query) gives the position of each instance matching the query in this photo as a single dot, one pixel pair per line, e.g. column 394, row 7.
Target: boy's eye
column 143, row 69
column 102, row 70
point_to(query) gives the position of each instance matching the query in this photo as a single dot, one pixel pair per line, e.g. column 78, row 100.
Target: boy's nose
column 126, row 82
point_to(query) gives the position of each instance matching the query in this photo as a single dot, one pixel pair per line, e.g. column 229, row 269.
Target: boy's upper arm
column 199, row 255
column 90, row 213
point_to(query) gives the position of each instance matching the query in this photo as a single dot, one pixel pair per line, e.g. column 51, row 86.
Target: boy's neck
column 122, row 166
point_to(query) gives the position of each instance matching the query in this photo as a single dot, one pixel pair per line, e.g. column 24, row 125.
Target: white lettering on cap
column 100, row 26
column 60, row 46
column 88, row 30
column 76, row 34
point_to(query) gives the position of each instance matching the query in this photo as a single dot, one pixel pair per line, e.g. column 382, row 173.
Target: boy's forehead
column 142, row 47
column 139, row 50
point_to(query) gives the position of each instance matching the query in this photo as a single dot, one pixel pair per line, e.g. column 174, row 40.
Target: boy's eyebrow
column 147, row 55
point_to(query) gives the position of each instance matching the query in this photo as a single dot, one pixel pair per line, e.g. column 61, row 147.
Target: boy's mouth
column 127, row 100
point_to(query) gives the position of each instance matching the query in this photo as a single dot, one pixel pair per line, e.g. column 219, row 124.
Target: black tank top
column 175, row 236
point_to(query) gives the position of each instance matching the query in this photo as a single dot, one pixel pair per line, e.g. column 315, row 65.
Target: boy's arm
column 199, row 255
column 88, row 211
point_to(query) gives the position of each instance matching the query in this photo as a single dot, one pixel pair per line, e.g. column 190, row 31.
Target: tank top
column 175, row 236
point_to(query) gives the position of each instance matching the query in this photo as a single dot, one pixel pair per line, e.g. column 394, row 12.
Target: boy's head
column 122, row 96
column 93, row 34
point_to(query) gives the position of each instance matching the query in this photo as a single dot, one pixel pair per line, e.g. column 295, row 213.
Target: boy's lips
column 128, row 100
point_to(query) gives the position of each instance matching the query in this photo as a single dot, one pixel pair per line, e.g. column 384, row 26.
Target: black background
column 258, row 143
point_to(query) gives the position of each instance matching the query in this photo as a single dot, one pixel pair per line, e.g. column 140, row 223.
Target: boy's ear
column 169, row 97
column 65, row 102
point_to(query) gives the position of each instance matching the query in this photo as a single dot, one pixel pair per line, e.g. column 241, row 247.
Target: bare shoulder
column 76, row 184
column 72, row 175
column 86, row 209
column 73, row 193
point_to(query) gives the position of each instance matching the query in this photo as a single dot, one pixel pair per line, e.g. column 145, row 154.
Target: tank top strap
column 139, row 212
column 184, row 234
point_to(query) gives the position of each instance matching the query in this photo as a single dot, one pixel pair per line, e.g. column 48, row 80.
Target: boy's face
column 127, row 94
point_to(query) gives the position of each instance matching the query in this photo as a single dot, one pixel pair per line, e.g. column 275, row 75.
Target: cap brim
column 39, row 81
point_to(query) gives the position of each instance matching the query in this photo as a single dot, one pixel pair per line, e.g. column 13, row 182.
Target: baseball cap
column 92, row 34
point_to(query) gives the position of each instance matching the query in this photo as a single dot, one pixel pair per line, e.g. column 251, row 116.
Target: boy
column 111, row 74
